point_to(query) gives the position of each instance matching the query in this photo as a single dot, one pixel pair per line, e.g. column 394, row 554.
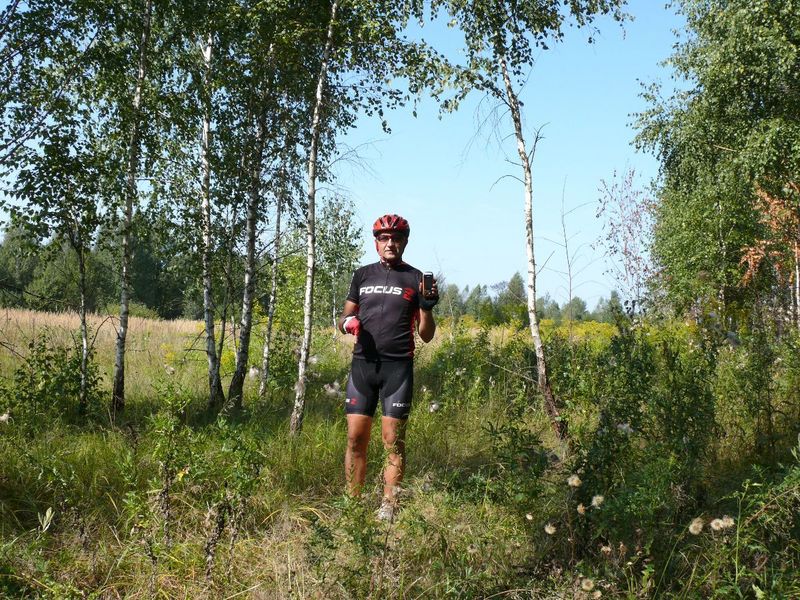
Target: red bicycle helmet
column 390, row 223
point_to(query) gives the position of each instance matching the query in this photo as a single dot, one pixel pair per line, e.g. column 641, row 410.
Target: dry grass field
column 154, row 347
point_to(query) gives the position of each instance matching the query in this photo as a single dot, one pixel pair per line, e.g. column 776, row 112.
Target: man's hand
column 352, row 325
column 429, row 300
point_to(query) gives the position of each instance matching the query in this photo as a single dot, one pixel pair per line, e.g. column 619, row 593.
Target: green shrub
column 45, row 388
column 654, row 425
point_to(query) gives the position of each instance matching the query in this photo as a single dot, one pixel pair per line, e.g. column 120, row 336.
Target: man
column 384, row 305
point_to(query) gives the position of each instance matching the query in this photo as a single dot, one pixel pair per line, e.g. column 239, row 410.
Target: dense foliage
column 725, row 237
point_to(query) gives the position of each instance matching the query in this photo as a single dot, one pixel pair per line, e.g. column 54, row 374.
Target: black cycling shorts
column 390, row 381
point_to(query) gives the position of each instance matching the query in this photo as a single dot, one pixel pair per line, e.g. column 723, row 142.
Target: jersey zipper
column 383, row 303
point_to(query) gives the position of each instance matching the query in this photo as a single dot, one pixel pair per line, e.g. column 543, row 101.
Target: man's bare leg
column 355, row 457
column 394, row 434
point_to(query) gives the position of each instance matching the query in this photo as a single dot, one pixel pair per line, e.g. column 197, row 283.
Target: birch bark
column 797, row 285
column 83, row 402
column 273, row 296
column 296, row 423
column 118, row 393
column 550, row 402
column 216, row 396
column 235, row 390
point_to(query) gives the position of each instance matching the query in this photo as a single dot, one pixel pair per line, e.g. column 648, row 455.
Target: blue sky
column 468, row 225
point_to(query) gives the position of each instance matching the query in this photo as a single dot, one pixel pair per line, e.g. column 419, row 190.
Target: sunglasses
column 385, row 237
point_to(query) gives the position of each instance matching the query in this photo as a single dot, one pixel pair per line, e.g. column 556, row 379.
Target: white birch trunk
column 797, row 285
column 216, row 395
column 550, row 404
column 235, row 390
column 334, row 303
column 296, row 423
column 118, row 386
column 83, row 402
column 273, row 296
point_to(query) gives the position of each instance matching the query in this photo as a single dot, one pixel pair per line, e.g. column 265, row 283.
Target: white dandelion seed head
column 696, row 526
column 549, row 529
column 581, row 509
column 5, row 417
column 574, row 481
column 727, row 522
column 597, row 594
column 598, row 500
column 605, row 550
column 587, row 585
column 529, row 516
column 434, row 407
column 716, row 524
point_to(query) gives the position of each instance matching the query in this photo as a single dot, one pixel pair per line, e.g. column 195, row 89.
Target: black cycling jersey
column 388, row 308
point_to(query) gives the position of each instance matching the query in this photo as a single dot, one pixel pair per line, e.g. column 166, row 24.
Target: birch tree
column 501, row 38
column 366, row 45
column 272, row 299
column 298, row 410
column 216, row 396
column 277, row 92
column 248, row 295
column 130, row 197
column 57, row 163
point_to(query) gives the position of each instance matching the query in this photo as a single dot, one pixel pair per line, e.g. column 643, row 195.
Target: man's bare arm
column 427, row 325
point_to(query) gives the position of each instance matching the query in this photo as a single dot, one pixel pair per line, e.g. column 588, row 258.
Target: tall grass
column 172, row 502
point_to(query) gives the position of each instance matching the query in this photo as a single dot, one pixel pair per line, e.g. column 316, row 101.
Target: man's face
column 390, row 246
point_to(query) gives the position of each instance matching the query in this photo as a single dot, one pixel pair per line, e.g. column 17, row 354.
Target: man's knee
column 357, row 442
column 393, row 439
column 358, row 430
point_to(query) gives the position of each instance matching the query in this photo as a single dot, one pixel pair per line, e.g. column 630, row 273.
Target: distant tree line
column 505, row 303
column 165, row 278
column 165, row 282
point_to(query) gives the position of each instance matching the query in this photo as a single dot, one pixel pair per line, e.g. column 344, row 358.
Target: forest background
column 171, row 378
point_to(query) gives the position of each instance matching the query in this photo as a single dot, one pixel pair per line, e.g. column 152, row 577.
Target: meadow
column 681, row 478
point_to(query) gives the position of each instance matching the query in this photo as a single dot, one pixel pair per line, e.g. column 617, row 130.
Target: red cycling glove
column 352, row 325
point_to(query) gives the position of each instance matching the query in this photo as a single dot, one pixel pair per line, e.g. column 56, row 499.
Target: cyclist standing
column 383, row 307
